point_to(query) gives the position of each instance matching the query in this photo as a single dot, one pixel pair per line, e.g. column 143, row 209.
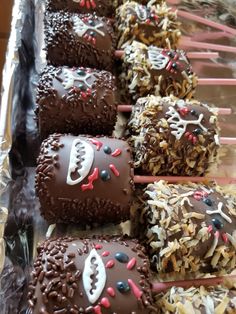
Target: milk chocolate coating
column 157, row 71
column 71, row 100
column 190, row 227
column 58, row 280
column 67, row 164
column 100, row 7
column 151, row 25
column 172, row 136
column 79, row 40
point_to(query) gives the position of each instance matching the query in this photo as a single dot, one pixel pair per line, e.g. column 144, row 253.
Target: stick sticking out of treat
column 207, row 22
column 128, row 108
column 186, row 43
column 201, row 36
column 212, row 281
column 217, row 81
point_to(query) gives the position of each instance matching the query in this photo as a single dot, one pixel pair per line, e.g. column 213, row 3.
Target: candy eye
column 197, row 131
column 122, row 257
column 174, row 65
column 171, row 54
column 107, row 150
column 122, row 286
column 81, row 72
column 105, row 176
column 91, row 22
column 217, row 223
column 208, row 201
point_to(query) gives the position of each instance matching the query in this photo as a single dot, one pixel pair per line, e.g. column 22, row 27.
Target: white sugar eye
column 94, row 276
column 85, row 161
column 157, row 59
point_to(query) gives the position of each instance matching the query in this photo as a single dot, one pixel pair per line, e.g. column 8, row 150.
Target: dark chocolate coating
column 58, row 284
column 79, row 40
column 62, row 191
column 71, row 100
column 100, row 7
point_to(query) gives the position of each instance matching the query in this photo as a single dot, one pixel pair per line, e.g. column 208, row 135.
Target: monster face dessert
column 85, row 180
column 99, row 275
column 157, row 71
column 172, row 136
column 155, row 25
column 190, row 227
column 79, row 40
column 70, row 100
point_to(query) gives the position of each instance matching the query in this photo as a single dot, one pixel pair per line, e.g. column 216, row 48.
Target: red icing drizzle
column 97, row 143
column 91, row 179
column 131, row 263
column 97, row 309
column 111, row 291
column 105, row 253
column 114, row 170
column 88, row 3
column 116, row 153
column 98, row 246
column 198, row 195
column 105, row 302
column 225, row 237
column 210, row 228
column 136, row 291
column 217, row 234
column 110, row 263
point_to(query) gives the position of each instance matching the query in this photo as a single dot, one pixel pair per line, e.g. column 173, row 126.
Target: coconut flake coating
column 157, row 71
column 189, row 228
column 172, row 136
column 152, row 25
column 195, row 300
column 79, row 40
column 69, row 100
column 97, row 275
column 85, row 180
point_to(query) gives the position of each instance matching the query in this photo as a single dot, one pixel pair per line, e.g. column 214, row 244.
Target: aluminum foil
column 21, row 226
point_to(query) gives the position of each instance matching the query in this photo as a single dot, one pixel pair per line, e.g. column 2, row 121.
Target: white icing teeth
column 85, row 150
column 157, row 59
column 81, row 28
column 94, row 276
column 70, row 78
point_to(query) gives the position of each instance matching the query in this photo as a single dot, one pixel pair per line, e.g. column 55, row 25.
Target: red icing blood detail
column 110, row 263
column 116, row 153
column 97, row 143
column 194, row 140
column 98, row 246
column 93, row 4
column 217, row 234
column 198, row 195
column 82, row 3
column 131, row 263
column 225, row 237
column 105, row 302
column 84, row 95
column 91, row 179
column 169, row 65
column 93, row 41
column 114, row 170
column 88, row 4
column 210, row 228
column 184, row 111
column 97, row 309
column 105, row 253
column 136, row 291
column 187, row 134
column 111, row 291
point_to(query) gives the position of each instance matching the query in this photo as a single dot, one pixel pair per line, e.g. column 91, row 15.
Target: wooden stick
column 186, row 43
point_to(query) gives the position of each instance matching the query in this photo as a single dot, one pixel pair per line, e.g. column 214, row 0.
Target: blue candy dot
column 122, row 257
column 105, row 175
column 107, row 150
column 217, row 223
column 208, row 201
column 122, row 286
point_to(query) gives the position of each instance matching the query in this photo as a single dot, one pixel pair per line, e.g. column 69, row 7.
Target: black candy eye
column 107, row 150
column 105, row 176
column 82, row 87
column 122, row 257
column 208, row 201
column 217, row 223
column 194, row 112
column 197, row 131
column 174, row 65
column 171, row 54
column 81, row 72
column 122, row 286
column 91, row 22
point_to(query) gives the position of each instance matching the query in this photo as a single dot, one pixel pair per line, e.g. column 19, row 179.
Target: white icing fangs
column 93, row 266
column 141, row 12
column 70, row 78
column 157, row 59
column 81, row 28
column 81, row 153
column 220, row 212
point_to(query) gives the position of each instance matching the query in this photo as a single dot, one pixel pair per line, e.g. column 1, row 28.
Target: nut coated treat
column 85, row 180
column 190, row 227
column 172, row 136
column 157, row 71
column 98, row 275
column 156, row 25
column 79, row 40
column 70, row 100
column 100, row 7
column 194, row 300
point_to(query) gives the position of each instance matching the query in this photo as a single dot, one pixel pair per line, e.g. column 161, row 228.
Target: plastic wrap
column 21, row 226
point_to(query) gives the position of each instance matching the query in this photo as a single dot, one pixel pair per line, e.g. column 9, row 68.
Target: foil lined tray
column 21, row 226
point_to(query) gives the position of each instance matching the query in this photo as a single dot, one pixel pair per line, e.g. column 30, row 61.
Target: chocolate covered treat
column 85, row 180
column 98, row 275
column 79, row 40
column 71, row 100
column 157, row 71
column 100, row 7
column 194, row 300
column 190, row 227
column 155, row 25
column 172, row 136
